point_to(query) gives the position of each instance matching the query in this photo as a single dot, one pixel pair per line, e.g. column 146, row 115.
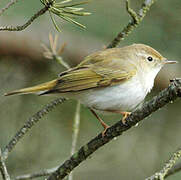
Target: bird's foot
column 125, row 115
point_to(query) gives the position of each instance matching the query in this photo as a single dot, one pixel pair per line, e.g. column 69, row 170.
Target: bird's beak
column 170, row 62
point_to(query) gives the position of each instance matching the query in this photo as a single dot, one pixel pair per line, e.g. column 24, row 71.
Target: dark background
column 136, row 154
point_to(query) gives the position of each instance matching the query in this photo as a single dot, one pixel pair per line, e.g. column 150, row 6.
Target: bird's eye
column 150, row 58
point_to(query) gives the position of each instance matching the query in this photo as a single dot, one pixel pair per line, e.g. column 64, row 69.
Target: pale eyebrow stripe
column 142, row 54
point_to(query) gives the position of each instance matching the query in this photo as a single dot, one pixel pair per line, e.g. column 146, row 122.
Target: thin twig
column 29, row 124
column 22, row 27
column 162, row 174
column 170, row 94
column 3, row 168
column 75, row 133
column 44, row 172
column 54, row 53
column 75, row 128
column 136, row 20
column 7, row 6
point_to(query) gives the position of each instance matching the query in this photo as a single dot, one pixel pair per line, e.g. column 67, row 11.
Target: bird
column 114, row 80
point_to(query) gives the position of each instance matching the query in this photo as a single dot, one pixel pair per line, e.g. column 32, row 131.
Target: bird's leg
column 125, row 114
column 105, row 126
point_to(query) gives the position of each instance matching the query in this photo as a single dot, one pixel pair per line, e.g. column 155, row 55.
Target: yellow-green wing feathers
column 77, row 79
column 96, row 71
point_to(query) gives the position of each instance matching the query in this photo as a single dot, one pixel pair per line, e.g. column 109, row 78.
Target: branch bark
column 170, row 94
column 22, row 27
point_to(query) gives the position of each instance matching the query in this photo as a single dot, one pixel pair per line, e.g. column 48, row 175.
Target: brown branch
column 169, row 94
column 136, row 20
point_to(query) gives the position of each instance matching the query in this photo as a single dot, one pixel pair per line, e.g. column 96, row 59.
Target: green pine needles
column 67, row 10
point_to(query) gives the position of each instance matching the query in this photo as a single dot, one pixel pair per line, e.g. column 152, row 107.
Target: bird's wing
column 94, row 74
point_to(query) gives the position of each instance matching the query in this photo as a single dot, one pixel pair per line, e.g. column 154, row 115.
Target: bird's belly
column 123, row 97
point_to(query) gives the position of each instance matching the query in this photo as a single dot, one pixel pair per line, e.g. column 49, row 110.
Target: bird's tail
column 38, row 89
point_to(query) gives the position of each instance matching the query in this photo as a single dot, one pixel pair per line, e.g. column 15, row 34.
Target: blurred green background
column 136, row 154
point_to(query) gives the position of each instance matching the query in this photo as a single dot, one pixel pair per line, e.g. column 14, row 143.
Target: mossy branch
column 170, row 94
column 136, row 20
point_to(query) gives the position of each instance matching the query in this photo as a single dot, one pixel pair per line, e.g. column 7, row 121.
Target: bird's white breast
column 124, row 97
